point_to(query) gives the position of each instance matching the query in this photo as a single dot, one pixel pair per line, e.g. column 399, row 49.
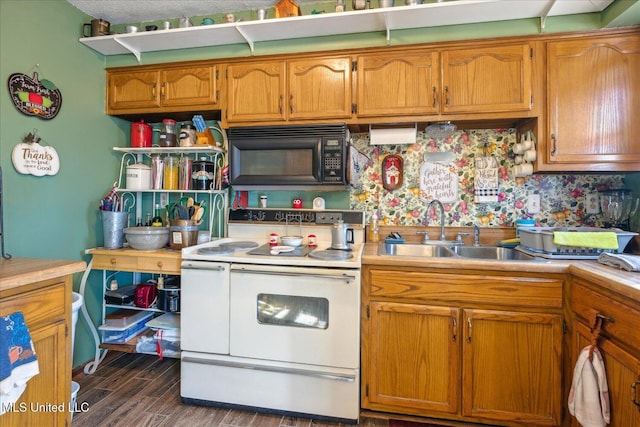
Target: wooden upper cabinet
column 398, row 84
column 593, row 105
column 319, row 88
column 255, row 91
column 189, row 86
column 487, row 79
column 162, row 89
column 277, row 91
column 132, row 90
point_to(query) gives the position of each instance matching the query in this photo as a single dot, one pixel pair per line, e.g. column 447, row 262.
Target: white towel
column 589, row 395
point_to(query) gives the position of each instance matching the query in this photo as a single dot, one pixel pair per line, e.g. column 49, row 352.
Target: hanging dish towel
column 18, row 362
column 486, row 180
column 589, row 395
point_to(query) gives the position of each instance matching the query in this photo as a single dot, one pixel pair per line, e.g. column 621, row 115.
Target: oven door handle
column 277, row 369
column 195, row 265
column 344, row 277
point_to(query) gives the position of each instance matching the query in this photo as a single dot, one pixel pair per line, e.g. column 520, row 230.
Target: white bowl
column 291, row 240
column 147, row 238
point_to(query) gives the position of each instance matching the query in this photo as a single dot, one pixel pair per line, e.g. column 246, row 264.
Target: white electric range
column 274, row 332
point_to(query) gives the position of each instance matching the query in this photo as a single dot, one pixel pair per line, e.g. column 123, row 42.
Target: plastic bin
column 122, row 334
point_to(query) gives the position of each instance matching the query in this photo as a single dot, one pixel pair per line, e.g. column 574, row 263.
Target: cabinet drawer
column 159, row 265
column 114, row 262
column 624, row 326
column 470, row 289
column 42, row 305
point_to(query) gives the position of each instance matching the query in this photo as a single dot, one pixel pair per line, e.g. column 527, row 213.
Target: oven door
column 295, row 314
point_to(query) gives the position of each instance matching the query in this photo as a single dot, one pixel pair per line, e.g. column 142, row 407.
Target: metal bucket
column 182, row 233
column 113, row 225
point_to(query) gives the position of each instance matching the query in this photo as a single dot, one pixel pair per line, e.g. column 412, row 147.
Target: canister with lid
column 187, row 135
column 168, row 136
column 202, row 174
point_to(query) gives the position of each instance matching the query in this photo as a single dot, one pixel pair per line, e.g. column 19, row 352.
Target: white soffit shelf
column 328, row 24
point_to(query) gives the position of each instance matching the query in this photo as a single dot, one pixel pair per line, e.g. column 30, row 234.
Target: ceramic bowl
column 291, row 240
column 147, row 238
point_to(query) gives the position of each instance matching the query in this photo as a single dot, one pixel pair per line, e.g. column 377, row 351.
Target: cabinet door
column 623, row 378
column 319, row 88
column 189, row 86
column 398, row 84
column 491, row 79
column 593, row 104
column 132, row 90
column 256, row 92
column 512, row 366
column 413, row 358
column 52, row 386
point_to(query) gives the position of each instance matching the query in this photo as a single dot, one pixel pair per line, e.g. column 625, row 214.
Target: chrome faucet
column 439, row 203
column 476, row 235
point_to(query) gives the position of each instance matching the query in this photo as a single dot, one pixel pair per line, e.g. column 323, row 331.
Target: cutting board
column 285, row 8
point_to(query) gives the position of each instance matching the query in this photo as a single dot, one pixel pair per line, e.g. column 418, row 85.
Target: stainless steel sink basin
column 435, row 251
column 408, row 249
column 490, row 252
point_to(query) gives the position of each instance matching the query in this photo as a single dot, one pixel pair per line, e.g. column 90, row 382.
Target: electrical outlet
column 533, row 203
column 591, row 203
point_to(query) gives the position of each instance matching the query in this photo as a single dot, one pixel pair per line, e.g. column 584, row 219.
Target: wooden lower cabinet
column 478, row 348
column 619, row 345
column 47, row 312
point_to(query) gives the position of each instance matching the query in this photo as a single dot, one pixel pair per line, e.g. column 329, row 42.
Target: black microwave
column 283, row 157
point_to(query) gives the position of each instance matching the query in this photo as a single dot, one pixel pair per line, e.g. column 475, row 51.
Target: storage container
column 122, row 334
column 540, row 239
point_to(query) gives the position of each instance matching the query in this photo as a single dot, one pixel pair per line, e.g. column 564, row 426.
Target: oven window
column 290, row 310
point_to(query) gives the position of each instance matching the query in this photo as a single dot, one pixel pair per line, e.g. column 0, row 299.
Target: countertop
column 17, row 272
column 620, row 281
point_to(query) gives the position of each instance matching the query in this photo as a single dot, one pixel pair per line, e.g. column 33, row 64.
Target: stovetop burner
column 332, row 255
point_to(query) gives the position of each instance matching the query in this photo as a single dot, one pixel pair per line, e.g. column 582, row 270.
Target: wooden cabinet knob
column 113, row 261
column 160, row 264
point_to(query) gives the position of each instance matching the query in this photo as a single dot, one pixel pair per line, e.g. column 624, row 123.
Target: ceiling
column 129, row 11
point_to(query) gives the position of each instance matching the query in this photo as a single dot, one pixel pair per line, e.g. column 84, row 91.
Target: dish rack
column 538, row 241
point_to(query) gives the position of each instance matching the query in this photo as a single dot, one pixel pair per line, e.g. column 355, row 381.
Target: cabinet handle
column 446, row 96
column 634, row 393
column 280, row 104
column 160, row 264
column 163, row 91
column 291, row 103
column 113, row 261
column 455, row 328
column 153, row 91
column 435, row 97
column 470, row 330
column 554, row 144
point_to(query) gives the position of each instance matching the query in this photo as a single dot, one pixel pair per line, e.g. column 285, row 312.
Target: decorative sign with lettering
column 439, row 178
column 34, row 97
column 29, row 157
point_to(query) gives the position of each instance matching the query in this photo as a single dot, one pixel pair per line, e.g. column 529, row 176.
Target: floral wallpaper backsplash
column 562, row 197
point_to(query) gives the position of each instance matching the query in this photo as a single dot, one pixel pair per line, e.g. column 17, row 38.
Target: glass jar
column 187, row 135
column 168, row 136
column 171, row 174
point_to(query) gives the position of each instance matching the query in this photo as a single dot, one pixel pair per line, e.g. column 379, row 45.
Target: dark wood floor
column 141, row 390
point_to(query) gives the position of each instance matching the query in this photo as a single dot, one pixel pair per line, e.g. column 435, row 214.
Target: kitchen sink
column 407, row 249
column 491, row 252
column 434, row 251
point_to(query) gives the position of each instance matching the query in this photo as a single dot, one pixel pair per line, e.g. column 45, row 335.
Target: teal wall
column 56, row 216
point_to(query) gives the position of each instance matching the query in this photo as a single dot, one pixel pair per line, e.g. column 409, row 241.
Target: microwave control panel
column 333, row 160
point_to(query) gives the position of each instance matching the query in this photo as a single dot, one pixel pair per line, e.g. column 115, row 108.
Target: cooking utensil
column 341, row 236
column 277, row 249
column 178, row 211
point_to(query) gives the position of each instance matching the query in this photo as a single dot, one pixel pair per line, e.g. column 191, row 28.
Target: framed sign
column 34, row 97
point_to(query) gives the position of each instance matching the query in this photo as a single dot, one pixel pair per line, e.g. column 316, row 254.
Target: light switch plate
column 591, row 204
column 533, row 203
